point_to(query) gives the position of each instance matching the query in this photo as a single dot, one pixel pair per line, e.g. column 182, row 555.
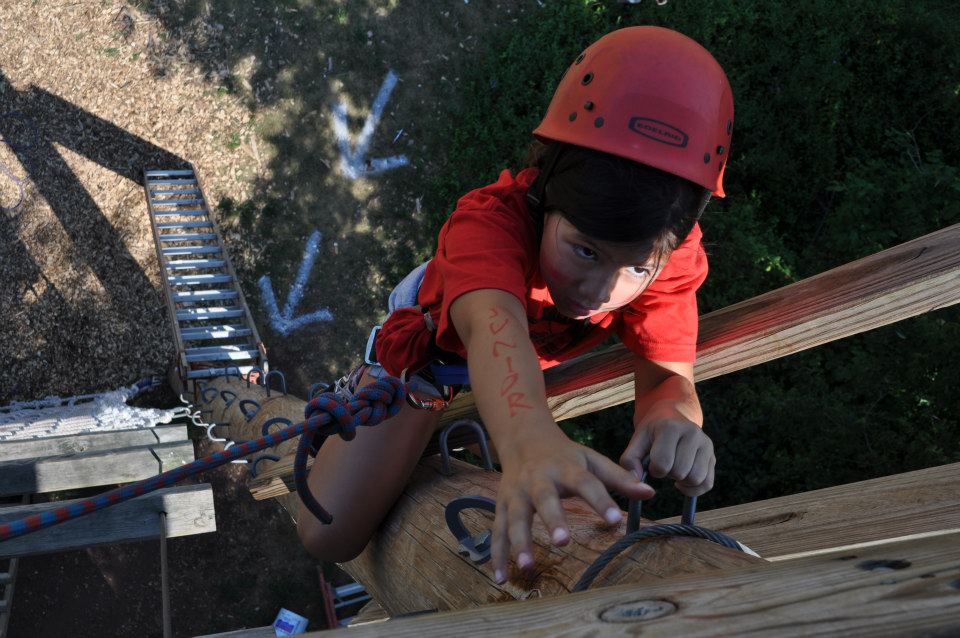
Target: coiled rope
column 325, row 415
column 654, row 531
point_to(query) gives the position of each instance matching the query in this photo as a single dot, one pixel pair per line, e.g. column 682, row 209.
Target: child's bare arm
column 668, row 425
column 540, row 464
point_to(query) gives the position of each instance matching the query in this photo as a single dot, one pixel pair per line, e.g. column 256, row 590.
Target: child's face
column 587, row 276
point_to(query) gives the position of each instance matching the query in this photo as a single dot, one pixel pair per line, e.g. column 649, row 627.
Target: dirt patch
column 93, row 92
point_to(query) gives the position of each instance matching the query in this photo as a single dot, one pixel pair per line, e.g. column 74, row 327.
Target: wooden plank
column 892, row 285
column 79, row 443
column 846, row 517
column 831, row 594
column 189, row 510
column 101, row 467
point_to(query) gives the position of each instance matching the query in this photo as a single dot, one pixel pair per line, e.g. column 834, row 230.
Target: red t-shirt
column 490, row 241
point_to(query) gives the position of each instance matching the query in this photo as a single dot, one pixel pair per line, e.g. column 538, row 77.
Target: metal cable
column 654, row 531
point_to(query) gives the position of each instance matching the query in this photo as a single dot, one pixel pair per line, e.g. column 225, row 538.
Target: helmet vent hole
column 580, row 58
column 729, row 127
column 573, row 116
column 587, row 79
column 706, row 158
column 598, row 122
column 720, row 150
column 588, row 105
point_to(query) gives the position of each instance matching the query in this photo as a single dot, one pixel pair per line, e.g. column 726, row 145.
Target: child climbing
column 598, row 236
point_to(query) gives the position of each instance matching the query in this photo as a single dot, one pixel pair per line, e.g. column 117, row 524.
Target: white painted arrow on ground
column 353, row 161
column 284, row 322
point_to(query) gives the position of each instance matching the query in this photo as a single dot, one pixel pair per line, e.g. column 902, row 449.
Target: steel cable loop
column 653, row 531
column 320, row 422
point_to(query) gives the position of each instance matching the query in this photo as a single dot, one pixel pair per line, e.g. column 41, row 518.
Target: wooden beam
column 892, row 285
column 89, row 469
column 79, row 443
column 189, row 510
column 846, row 517
column 897, row 589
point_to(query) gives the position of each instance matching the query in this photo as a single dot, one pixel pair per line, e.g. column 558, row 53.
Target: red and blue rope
column 325, row 415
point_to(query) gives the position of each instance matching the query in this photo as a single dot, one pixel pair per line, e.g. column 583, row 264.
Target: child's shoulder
column 507, row 194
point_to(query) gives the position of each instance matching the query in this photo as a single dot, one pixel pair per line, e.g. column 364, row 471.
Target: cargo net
column 104, row 412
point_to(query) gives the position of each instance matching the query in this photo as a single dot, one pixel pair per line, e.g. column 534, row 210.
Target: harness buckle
column 370, row 355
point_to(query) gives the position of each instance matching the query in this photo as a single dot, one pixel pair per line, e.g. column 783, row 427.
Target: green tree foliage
column 846, row 142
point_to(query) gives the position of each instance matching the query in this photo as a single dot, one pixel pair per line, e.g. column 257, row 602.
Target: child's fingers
column 663, row 452
column 547, row 502
column 616, row 478
column 702, row 488
column 700, row 467
column 519, row 522
column 597, row 496
column 636, row 450
column 499, row 544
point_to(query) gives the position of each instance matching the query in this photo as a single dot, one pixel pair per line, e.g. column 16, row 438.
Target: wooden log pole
column 412, row 563
column 415, row 539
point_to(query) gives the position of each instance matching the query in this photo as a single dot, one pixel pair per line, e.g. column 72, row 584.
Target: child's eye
column 584, row 252
column 639, row 271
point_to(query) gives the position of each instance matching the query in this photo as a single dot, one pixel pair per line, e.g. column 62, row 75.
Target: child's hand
column 677, row 448
column 537, row 473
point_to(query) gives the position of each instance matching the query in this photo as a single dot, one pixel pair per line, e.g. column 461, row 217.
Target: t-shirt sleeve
column 486, row 243
column 661, row 324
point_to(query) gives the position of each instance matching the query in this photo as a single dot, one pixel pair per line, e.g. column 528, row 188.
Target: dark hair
column 614, row 199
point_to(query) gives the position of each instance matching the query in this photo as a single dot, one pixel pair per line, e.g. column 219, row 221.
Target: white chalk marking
column 284, row 322
column 353, row 161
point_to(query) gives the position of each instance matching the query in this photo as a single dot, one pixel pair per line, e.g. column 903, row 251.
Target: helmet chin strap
column 537, row 190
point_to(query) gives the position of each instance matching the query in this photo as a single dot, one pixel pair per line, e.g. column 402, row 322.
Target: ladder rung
column 214, row 312
column 197, row 280
column 216, row 372
column 204, row 295
column 168, row 225
column 193, row 212
column 228, row 348
column 171, row 182
column 176, row 191
column 190, row 250
column 240, row 355
column 194, row 263
column 176, row 202
column 215, row 332
column 187, row 236
column 156, row 172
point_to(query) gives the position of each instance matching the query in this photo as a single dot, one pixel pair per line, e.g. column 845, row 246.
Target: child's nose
column 599, row 288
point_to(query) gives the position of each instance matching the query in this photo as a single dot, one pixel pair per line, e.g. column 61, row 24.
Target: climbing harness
column 326, row 414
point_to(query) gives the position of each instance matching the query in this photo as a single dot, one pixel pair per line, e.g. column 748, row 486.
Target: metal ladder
column 212, row 326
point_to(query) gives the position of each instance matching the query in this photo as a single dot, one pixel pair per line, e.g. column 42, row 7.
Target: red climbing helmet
column 651, row 95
